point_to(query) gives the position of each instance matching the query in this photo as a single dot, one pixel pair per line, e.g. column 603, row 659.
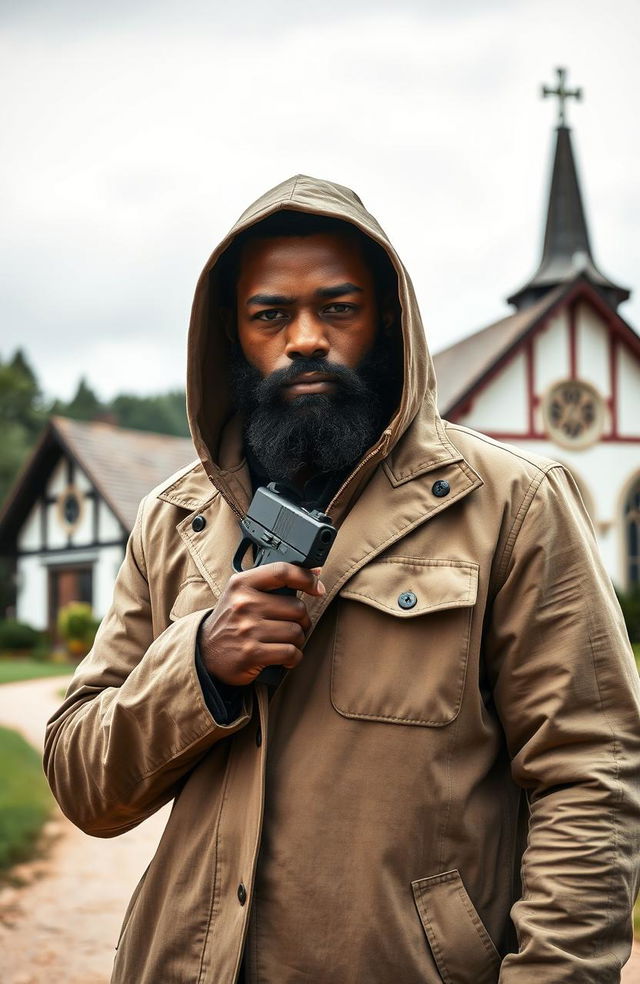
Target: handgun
column 279, row 529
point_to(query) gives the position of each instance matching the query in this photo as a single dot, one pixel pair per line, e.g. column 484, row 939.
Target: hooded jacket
column 443, row 792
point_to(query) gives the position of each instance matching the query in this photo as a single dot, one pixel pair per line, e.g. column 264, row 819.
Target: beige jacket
column 442, row 793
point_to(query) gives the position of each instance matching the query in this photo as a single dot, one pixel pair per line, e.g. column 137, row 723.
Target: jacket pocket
column 461, row 946
column 193, row 595
column 401, row 642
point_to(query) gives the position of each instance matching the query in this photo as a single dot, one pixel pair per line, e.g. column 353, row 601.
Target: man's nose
column 306, row 336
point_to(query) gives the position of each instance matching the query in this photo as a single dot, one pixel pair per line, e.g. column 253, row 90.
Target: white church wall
column 31, row 601
column 29, row 535
column 592, row 349
column 503, row 402
column 628, row 393
column 550, row 354
column 604, row 470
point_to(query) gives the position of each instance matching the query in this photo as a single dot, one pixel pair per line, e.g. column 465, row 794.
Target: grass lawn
column 12, row 670
column 636, row 652
column 25, row 800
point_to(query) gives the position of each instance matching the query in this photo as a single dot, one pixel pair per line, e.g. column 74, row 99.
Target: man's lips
column 310, row 382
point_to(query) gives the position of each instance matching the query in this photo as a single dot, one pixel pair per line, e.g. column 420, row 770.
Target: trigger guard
column 239, row 555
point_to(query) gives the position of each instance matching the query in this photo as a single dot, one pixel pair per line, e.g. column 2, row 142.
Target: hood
column 208, row 400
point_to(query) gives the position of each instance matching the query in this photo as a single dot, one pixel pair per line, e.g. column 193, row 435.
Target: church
column 560, row 377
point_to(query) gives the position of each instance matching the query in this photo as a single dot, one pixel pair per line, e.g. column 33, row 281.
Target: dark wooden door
column 68, row 583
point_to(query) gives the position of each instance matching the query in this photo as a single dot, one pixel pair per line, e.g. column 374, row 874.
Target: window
column 632, row 533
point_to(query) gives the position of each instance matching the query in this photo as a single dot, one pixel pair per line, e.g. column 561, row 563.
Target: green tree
column 85, row 405
column 22, row 416
column 164, row 413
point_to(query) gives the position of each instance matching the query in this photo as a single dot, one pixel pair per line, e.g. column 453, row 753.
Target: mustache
column 268, row 389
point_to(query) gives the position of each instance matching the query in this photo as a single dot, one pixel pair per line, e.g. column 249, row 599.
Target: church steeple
column 567, row 250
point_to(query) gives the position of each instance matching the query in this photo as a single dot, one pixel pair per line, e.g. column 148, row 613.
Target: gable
column 47, row 527
column 581, row 339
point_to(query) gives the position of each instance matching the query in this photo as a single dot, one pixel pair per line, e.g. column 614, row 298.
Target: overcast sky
column 134, row 133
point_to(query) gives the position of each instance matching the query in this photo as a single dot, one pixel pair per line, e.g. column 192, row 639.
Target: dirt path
column 61, row 927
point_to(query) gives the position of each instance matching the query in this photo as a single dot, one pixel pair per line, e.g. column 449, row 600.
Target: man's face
column 305, row 297
column 312, row 368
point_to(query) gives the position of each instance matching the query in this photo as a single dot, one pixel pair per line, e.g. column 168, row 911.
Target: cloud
column 130, row 147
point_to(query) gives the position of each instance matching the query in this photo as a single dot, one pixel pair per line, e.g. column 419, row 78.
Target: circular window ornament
column 573, row 413
column 70, row 507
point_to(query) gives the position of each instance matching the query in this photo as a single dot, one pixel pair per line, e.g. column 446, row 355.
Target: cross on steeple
column 562, row 94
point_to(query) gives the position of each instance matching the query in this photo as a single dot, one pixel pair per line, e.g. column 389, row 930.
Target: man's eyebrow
column 270, row 299
column 339, row 290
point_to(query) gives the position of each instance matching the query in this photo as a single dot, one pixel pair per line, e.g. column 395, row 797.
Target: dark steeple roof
column 567, row 251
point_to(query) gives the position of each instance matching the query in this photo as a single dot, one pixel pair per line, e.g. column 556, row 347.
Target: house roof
column 122, row 464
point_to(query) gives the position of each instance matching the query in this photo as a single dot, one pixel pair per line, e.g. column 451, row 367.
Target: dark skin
column 296, row 296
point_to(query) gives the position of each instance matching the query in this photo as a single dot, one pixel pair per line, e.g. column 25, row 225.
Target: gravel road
column 60, row 927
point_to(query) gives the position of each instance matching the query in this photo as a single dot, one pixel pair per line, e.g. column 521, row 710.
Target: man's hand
column 251, row 628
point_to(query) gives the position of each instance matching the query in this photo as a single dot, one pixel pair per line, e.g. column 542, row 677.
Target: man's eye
column 338, row 308
column 273, row 314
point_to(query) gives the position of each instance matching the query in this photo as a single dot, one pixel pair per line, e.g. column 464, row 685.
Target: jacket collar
column 391, row 505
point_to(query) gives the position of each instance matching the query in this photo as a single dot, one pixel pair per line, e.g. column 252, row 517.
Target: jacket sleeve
column 566, row 690
column 135, row 719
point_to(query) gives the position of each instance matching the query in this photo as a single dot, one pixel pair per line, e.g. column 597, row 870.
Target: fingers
column 283, row 575
column 283, row 609
column 288, row 632
column 277, row 654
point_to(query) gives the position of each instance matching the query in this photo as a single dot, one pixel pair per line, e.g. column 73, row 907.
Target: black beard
column 321, row 432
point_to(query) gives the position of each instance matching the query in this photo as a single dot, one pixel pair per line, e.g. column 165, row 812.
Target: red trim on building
column 581, row 291
column 573, row 355
column 531, row 385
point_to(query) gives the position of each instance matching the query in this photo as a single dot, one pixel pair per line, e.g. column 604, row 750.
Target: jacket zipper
column 380, row 446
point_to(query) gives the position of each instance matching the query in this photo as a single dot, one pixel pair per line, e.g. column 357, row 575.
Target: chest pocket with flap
column 402, row 640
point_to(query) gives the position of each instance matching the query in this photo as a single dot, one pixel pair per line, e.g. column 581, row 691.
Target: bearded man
column 443, row 787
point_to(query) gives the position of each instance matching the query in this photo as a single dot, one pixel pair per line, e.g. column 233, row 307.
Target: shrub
column 18, row 636
column 77, row 627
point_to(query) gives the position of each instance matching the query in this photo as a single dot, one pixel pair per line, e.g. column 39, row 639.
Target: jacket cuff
column 223, row 700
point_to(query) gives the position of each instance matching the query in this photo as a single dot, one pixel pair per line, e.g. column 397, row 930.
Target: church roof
column 461, row 365
column 567, row 248
column 122, row 464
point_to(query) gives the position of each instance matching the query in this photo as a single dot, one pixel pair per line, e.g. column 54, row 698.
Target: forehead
column 325, row 258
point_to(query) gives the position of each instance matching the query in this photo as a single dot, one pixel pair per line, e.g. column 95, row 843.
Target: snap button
column 407, row 600
column 242, row 894
column 440, row 488
column 198, row 524
column 259, row 736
